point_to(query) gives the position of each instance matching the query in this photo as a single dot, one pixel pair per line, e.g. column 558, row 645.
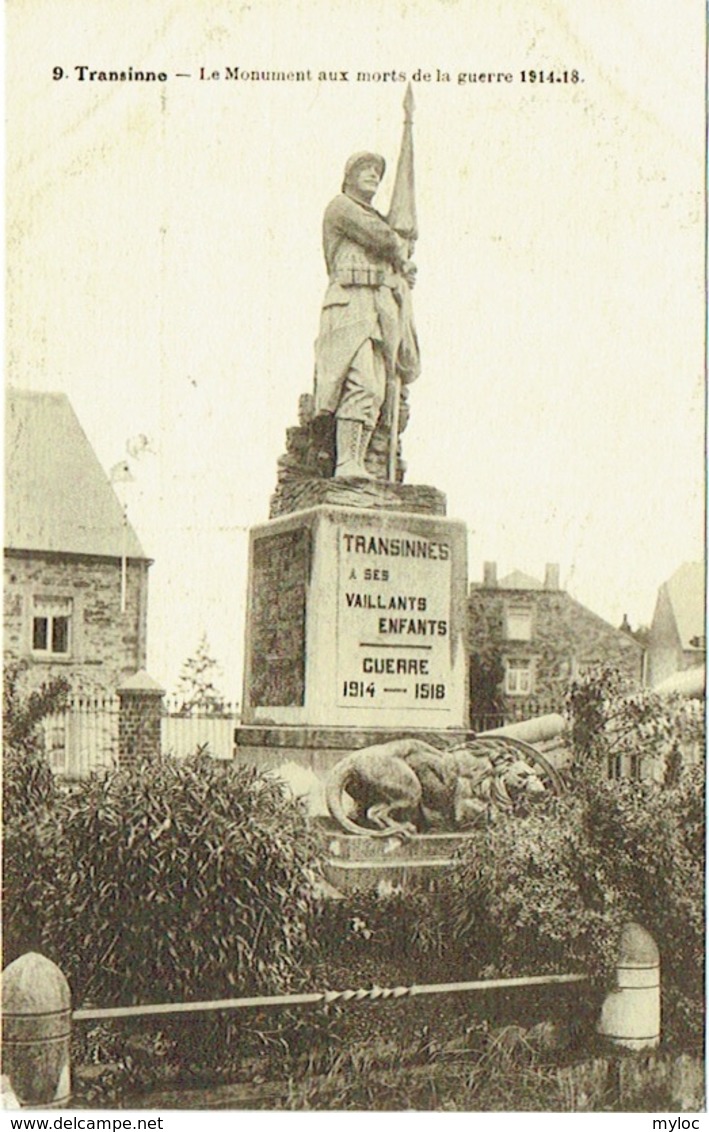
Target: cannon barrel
column 690, row 683
column 537, row 730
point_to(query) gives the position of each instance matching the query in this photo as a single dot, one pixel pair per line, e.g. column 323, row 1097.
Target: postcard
column 354, row 459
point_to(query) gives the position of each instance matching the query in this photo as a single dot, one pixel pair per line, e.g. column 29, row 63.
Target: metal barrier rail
column 373, row 994
column 38, row 1015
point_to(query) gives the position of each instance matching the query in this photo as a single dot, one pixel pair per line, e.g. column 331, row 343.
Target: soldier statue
column 367, row 345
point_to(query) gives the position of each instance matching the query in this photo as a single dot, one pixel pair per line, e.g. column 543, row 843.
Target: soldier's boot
column 349, row 451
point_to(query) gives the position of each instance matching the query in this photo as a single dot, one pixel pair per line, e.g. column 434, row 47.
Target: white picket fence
column 181, row 735
column 83, row 737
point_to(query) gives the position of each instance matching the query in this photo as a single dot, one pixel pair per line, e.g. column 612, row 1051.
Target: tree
column 614, row 722
column 485, row 675
column 28, row 783
column 197, row 687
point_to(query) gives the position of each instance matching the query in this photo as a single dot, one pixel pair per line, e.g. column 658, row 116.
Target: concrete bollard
column 630, row 1016
column 36, row 1008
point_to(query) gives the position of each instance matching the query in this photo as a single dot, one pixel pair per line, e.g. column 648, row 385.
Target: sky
column 165, row 271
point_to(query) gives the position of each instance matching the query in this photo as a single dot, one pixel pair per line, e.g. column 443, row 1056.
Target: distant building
column 71, row 608
column 534, row 638
column 678, row 632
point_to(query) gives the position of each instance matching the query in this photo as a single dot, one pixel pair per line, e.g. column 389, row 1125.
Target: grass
column 509, row 1068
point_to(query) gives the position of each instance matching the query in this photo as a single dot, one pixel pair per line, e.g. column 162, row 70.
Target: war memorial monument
column 357, row 583
column 355, row 658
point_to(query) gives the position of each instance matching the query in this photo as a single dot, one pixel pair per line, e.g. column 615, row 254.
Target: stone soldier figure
column 367, row 337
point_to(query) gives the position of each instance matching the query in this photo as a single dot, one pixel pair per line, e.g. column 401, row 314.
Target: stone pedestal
column 355, row 632
column 352, row 862
column 304, row 492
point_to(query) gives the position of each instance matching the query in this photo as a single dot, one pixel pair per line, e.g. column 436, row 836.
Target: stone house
column 530, row 639
column 677, row 639
column 76, row 576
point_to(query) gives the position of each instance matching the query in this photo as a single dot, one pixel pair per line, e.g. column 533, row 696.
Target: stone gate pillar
column 139, row 718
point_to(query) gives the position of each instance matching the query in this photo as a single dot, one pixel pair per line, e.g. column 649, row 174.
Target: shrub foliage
column 612, row 718
column 550, row 891
column 29, row 793
column 175, row 880
column 28, row 783
column 181, row 880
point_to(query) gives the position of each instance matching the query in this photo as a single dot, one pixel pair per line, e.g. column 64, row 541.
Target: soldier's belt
column 364, row 277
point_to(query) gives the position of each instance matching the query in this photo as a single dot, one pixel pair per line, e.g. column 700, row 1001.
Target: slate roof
column 685, row 590
column 57, row 495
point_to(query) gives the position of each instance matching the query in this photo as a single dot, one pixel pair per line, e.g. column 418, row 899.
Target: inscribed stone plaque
column 393, row 612
column 281, row 564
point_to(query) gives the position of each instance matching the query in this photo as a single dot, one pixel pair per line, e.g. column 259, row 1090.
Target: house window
column 518, row 677
column 51, row 626
column 635, row 767
column 518, row 619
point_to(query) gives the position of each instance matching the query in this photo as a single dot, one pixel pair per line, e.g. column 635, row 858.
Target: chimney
column 551, row 576
column 490, row 575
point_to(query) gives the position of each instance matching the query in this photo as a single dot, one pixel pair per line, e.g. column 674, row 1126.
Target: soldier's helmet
column 363, row 158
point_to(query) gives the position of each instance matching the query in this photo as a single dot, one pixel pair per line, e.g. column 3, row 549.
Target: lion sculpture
column 407, row 786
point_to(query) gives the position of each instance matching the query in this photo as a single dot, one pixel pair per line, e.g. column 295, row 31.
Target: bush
column 28, row 796
column 654, row 844
column 174, row 881
column 531, row 897
column 551, row 891
column 369, row 933
column 615, row 720
column 30, row 842
column 28, row 783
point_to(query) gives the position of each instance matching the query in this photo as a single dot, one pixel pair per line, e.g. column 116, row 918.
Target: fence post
column 630, row 1015
column 139, row 718
column 36, row 1032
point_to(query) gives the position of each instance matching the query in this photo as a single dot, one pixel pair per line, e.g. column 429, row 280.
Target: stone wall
column 105, row 645
column 565, row 638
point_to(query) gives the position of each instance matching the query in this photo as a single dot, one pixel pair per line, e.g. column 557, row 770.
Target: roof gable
column 519, row 581
column 57, row 495
column 685, row 591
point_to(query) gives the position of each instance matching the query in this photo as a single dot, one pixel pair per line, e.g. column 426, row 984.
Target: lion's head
column 488, row 782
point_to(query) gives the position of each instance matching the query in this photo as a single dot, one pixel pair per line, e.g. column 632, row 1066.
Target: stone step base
column 423, row 847
column 363, row 862
column 349, row 875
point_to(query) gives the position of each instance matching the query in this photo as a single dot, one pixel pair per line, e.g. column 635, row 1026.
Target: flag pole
column 402, row 217
column 124, row 559
column 121, row 473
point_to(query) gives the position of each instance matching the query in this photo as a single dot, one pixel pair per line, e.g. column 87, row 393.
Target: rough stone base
column 306, row 468
column 298, row 492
